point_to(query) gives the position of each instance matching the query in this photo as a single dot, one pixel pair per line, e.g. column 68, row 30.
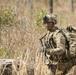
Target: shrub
column 39, row 22
column 8, row 15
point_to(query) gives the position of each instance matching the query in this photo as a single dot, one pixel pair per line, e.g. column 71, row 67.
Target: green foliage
column 1, row 51
column 7, row 15
column 39, row 22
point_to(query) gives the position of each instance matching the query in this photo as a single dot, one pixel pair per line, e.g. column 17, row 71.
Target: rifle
column 41, row 43
column 43, row 47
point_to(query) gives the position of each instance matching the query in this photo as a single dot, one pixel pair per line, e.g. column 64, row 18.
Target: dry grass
column 20, row 41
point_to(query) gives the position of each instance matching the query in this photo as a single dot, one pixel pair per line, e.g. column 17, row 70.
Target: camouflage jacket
column 55, row 45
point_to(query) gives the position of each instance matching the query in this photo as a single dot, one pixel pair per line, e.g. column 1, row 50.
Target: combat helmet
column 50, row 18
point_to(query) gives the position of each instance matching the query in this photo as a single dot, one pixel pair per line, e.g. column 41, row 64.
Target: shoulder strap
column 66, row 40
column 57, row 31
column 67, row 44
column 52, row 39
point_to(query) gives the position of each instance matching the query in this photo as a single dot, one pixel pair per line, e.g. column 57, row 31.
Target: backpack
column 70, row 37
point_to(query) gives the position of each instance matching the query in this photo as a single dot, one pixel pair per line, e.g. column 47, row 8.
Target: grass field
column 20, row 40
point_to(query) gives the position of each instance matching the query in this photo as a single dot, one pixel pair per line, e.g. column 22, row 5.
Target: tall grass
column 19, row 41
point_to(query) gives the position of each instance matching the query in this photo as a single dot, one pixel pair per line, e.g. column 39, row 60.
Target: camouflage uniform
column 55, row 48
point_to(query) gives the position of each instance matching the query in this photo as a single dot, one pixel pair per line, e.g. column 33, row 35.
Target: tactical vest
column 50, row 44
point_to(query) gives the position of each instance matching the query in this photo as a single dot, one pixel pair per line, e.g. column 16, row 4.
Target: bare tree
column 71, row 5
column 51, row 6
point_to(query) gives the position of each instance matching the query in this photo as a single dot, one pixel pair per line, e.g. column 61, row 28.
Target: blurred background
column 21, row 26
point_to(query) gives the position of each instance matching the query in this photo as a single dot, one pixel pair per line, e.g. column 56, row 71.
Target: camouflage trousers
column 61, row 69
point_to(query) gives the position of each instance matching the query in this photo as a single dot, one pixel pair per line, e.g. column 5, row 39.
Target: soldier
column 54, row 47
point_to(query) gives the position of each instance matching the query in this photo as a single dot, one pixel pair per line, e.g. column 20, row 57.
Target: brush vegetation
column 20, row 28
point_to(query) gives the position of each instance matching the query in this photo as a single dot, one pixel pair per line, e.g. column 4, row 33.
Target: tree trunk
column 71, row 5
column 51, row 6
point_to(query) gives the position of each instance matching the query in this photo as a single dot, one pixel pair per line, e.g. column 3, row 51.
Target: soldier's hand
column 48, row 51
column 42, row 49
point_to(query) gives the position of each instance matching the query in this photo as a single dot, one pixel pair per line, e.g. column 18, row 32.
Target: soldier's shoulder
column 57, row 32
